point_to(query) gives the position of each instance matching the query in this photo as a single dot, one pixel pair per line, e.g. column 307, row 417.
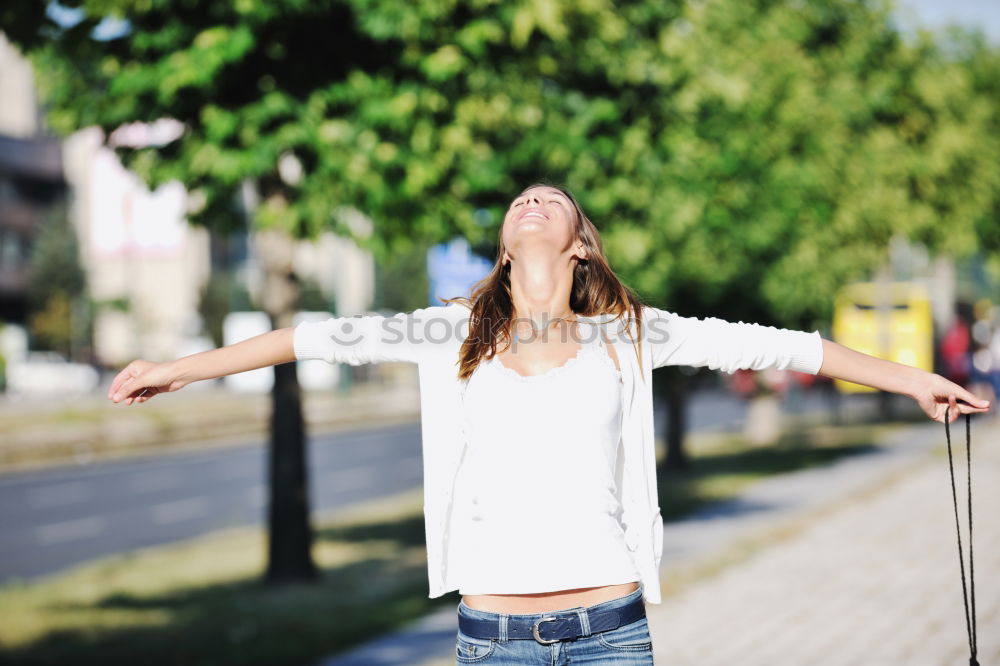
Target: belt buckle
column 534, row 630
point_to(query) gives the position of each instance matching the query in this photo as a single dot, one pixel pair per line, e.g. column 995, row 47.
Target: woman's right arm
column 406, row 336
column 146, row 379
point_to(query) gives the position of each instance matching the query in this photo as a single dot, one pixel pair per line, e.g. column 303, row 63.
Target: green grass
column 722, row 465
column 201, row 602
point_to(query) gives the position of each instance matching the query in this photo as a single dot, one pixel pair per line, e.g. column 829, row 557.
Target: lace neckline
column 559, row 369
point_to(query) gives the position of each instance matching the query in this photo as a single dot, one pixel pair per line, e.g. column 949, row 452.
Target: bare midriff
column 545, row 602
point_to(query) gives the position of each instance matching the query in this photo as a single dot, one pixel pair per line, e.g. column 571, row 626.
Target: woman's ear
column 505, row 259
column 581, row 252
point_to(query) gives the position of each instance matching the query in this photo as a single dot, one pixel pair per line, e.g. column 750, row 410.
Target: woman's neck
column 540, row 291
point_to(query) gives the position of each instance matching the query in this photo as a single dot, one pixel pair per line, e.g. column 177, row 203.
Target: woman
column 539, row 464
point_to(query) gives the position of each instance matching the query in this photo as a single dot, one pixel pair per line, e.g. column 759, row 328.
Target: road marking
column 58, row 494
column 247, row 470
column 174, row 512
column 349, row 479
column 69, row 530
column 154, row 479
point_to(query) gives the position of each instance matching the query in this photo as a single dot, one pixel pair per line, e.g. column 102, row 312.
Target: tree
column 798, row 141
column 57, row 287
column 742, row 159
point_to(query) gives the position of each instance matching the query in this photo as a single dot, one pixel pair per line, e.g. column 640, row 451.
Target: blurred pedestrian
column 955, row 350
column 984, row 362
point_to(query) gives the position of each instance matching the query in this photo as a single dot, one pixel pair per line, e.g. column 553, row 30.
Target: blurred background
column 176, row 176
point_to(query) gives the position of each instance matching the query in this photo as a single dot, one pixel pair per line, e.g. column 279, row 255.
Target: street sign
column 453, row 269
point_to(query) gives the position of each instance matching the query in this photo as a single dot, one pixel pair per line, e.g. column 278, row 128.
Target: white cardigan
column 432, row 337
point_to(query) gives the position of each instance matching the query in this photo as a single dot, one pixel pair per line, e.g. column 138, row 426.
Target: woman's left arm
column 932, row 392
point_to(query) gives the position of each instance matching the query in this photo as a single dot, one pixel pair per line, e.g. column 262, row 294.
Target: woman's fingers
column 117, row 382
column 955, row 409
column 130, row 382
column 970, row 404
column 124, row 390
column 140, row 381
column 979, row 403
column 970, row 409
column 146, row 393
column 948, row 394
column 141, row 394
column 944, row 412
column 123, row 384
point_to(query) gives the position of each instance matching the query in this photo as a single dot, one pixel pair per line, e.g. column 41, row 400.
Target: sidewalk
column 852, row 563
column 873, row 579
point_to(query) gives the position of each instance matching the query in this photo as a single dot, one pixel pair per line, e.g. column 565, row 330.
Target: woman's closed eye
column 547, row 201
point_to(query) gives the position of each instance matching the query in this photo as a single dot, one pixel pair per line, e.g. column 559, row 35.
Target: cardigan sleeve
column 728, row 346
column 406, row 336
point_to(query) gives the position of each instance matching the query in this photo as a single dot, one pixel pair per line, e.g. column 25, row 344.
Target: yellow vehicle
column 890, row 320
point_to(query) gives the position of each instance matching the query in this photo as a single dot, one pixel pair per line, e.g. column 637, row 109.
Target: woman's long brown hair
column 596, row 290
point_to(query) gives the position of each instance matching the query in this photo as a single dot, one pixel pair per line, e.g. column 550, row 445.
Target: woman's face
column 541, row 215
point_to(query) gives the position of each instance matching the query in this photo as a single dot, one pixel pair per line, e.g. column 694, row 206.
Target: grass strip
column 722, row 465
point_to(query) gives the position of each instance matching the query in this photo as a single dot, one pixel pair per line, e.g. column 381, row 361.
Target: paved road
column 59, row 517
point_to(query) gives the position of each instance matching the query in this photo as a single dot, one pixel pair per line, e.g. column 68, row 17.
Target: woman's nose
column 533, row 199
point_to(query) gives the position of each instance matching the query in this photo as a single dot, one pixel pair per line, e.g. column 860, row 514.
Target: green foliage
column 223, row 294
column 54, row 264
column 120, row 304
column 740, row 158
column 52, row 325
column 213, row 305
column 59, row 314
column 402, row 285
column 311, row 298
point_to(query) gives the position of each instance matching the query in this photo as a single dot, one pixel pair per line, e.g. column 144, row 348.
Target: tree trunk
column 290, row 533
column 886, row 406
column 675, row 393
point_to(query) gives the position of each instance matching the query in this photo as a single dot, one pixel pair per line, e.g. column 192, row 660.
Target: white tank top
column 536, row 508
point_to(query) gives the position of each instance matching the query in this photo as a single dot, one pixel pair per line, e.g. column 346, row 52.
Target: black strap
column 970, row 617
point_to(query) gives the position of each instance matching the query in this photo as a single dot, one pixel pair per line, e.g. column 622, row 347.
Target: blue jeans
column 628, row 645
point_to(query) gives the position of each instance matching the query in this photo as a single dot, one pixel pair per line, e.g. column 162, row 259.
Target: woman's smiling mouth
column 533, row 213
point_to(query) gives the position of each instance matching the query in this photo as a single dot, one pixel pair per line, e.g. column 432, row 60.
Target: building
column 32, row 184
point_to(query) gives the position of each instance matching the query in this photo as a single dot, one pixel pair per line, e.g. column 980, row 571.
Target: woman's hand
column 141, row 380
column 939, row 394
column 932, row 392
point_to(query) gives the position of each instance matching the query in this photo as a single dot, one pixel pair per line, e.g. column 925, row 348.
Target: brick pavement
column 871, row 580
